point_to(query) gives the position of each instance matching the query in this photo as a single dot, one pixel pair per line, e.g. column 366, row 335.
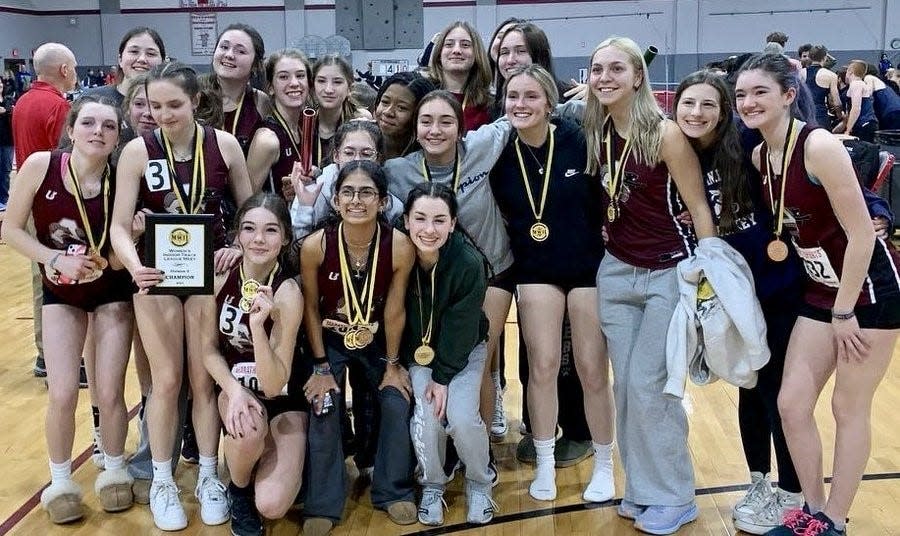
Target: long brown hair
column 478, row 85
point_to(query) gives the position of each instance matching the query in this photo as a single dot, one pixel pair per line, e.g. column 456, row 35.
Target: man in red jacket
column 37, row 123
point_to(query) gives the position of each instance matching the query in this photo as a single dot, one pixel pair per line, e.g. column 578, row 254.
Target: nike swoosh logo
column 571, row 173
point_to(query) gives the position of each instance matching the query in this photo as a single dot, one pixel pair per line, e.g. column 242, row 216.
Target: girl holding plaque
column 354, row 277
column 188, row 167
column 70, row 195
column 704, row 112
column 850, row 317
column 549, row 206
column 650, row 175
column 252, row 328
column 275, row 148
column 445, row 344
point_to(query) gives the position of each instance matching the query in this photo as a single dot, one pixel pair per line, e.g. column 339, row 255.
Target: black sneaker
column 190, row 452
column 40, row 368
column 245, row 520
column 82, row 377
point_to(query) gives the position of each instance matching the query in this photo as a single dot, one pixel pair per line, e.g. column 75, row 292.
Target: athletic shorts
column 882, row 315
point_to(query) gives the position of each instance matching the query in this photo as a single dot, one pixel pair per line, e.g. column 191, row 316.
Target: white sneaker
column 757, row 497
column 213, row 498
column 788, row 500
column 168, row 513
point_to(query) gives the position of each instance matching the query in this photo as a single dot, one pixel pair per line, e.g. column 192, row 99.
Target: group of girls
column 417, row 229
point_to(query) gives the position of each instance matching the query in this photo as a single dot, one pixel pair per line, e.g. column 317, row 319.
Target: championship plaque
column 181, row 246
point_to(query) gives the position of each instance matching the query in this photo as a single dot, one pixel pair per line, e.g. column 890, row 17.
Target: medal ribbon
column 284, row 125
column 456, row 170
column 426, row 332
column 354, row 311
column 538, row 212
column 615, row 172
column 790, row 143
column 82, row 211
column 237, row 114
column 198, row 178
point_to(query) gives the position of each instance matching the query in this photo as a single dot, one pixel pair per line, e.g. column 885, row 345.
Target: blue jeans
column 6, row 159
column 392, row 480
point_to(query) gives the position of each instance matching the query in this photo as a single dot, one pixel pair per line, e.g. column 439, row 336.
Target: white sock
column 208, row 466
column 60, row 471
column 602, row 485
column 111, row 463
column 543, row 487
column 162, row 471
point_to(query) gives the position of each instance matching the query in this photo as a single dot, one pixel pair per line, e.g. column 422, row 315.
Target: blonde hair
column 478, row 83
column 858, row 68
column 646, row 116
column 542, row 77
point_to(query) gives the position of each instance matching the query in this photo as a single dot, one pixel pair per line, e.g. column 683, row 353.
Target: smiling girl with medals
column 251, row 327
column 69, row 194
column 650, row 175
column 850, row 317
column 549, row 205
column 275, row 149
column 185, row 167
column 445, row 343
column 354, row 276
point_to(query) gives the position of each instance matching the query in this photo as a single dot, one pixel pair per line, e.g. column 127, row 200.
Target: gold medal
column 539, row 232
column 424, row 355
column 245, row 304
column 249, row 288
column 350, row 339
column 364, row 337
column 777, row 250
column 611, row 213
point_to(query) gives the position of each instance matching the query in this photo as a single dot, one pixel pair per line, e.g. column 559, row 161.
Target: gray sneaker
column 431, row 507
column 481, row 506
column 757, row 497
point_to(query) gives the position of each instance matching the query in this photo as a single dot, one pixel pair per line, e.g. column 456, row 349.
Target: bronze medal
column 424, row 355
column 611, row 213
column 364, row 337
column 539, row 232
column 245, row 304
column 350, row 339
column 777, row 250
column 249, row 288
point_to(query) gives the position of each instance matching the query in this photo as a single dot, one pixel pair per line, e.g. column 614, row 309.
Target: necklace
column 534, row 157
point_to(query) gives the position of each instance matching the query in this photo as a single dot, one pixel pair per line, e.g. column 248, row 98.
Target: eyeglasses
column 365, row 195
column 363, row 154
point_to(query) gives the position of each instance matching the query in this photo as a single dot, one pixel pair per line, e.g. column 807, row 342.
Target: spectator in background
column 781, row 39
column 883, row 65
column 803, row 54
column 36, row 126
column 110, row 79
column 9, row 84
column 23, row 79
column 88, row 80
column 6, row 143
column 362, row 94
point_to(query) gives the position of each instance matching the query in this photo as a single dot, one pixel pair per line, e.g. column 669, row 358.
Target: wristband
column 322, row 370
column 52, row 263
column 392, row 360
column 842, row 316
column 320, row 360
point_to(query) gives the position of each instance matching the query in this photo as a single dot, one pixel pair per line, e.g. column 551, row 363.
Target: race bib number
column 229, row 319
column 156, row 174
column 818, row 267
column 245, row 373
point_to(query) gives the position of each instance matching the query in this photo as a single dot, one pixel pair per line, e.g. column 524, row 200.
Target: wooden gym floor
column 714, row 441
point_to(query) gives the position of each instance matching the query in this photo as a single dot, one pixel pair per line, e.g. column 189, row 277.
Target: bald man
column 37, row 122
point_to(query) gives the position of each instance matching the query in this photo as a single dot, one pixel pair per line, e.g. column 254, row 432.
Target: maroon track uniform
column 157, row 192
column 642, row 235
column 331, row 293
column 821, row 242
column 288, row 154
column 59, row 226
column 248, row 120
column 236, row 344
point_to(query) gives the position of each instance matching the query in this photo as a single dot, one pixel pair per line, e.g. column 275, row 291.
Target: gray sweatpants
column 635, row 306
column 463, row 423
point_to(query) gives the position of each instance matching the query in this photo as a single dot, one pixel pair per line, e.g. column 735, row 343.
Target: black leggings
column 758, row 416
